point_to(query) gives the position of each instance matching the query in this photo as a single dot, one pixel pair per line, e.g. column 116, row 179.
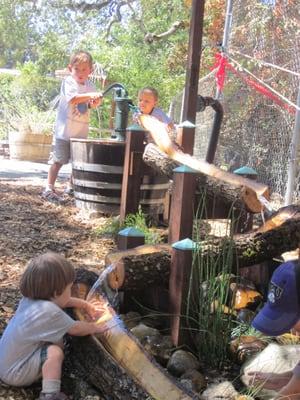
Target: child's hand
column 100, row 328
column 94, row 311
column 96, row 100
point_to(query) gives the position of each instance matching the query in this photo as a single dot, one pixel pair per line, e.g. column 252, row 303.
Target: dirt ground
column 29, row 226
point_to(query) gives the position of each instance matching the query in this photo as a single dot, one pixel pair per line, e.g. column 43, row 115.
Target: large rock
column 182, row 361
column 273, row 359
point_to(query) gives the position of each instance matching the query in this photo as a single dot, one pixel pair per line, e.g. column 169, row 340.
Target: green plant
column 25, row 102
column 138, row 221
column 244, row 329
column 111, row 227
column 20, row 115
column 209, row 313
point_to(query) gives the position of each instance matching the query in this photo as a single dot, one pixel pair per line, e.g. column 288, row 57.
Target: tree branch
column 150, row 37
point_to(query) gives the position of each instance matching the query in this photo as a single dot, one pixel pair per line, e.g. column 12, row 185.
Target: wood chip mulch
column 30, row 226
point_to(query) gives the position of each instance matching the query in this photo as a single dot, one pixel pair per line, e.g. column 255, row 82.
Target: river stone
column 182, row 361
column 223, row 390
column 274, row 358
column 141, row 331
column 194, row 380
column 131, row 319
column 159, row 346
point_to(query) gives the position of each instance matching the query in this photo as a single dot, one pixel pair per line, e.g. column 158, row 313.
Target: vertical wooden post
column 192, row 72
column 132, row 171
column 129, row 238
column 181, row 268
column 182, row 205
column 186, row 136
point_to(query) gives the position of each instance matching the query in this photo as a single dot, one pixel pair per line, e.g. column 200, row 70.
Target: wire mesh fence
column 258, row 119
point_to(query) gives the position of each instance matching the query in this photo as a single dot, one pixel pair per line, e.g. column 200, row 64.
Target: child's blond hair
column 149, row 89
column 46, row 276
column 81, row 57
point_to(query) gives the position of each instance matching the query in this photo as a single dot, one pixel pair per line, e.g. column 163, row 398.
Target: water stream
column 101, row 286
column 267, row 205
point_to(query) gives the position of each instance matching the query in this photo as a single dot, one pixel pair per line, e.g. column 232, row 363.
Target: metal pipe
column 215, row 132
column 226, row 34
column 114, row 86
column 293, row 164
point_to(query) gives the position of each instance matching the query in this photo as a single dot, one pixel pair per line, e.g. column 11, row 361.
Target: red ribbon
column 222, row 63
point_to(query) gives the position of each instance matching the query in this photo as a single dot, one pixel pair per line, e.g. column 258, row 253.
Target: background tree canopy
column 118, row 34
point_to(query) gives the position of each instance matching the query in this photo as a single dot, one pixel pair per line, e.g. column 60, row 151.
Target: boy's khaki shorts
column 61, row 151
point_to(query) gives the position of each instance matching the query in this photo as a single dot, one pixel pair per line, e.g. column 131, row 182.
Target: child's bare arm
column 90, row 308
column 291, row 390
column 270, row 380
column 82, row 328
column 87, row 97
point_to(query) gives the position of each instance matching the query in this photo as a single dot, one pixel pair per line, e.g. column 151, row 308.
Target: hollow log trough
column 116, row 363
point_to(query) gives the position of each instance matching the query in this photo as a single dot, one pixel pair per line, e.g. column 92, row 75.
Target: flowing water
column 264, row 202
column 101, row 283
column 101, row 287
column 267, row 205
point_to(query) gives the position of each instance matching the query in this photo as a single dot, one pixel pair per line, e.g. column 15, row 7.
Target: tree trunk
column 137, row 268
column 117, row 364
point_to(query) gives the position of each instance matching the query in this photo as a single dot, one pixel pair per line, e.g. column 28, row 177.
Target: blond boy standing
column 77, row 96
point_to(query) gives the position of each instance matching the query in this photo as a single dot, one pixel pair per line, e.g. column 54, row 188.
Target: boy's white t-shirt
column 35, row 323
column 72, row 120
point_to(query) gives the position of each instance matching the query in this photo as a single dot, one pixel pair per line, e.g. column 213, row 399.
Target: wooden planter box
column 27, row 146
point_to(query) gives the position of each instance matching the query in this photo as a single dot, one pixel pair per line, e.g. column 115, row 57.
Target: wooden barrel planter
column 28, row 146
column 153, row 192
column 97, row 167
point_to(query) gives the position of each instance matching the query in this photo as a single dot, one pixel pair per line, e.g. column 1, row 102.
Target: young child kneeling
column 31, row 346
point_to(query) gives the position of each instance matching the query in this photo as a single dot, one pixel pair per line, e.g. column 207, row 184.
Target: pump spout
column 115, row 86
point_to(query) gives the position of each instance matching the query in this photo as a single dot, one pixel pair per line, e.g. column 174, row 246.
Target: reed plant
column 209, row 312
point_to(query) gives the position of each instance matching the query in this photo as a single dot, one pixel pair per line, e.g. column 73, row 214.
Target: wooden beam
column 182, row 205
column 192, row 72
column 132, row 172
column 180, row 272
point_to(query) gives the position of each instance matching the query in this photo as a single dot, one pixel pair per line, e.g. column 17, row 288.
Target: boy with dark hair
column 32, row 344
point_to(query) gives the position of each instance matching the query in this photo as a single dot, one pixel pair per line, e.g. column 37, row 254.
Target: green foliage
column 32, row 85
column 213, row 323
column 209, row 313
column 131, row 60
column 24, row 103
column 241, row 329
column 14, row 31
column 138, row 221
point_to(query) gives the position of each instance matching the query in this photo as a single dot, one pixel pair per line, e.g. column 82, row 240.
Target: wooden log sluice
column 137, row 268
column 213, row 188
column 249, row 191
column 117, row 364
